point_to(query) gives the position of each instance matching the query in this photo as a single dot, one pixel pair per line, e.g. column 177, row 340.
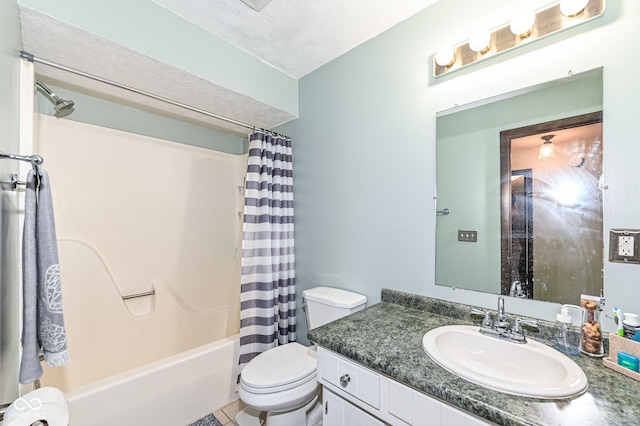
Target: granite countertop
column 387, row 338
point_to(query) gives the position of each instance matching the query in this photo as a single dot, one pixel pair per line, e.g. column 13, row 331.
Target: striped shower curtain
column 268, row 291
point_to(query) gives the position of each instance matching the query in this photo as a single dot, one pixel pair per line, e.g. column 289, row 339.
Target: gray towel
column 43, row 322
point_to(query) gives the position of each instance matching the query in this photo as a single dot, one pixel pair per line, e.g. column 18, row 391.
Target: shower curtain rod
column 31, row 58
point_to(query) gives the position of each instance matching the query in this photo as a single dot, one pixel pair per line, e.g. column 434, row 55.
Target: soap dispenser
column 566, row 337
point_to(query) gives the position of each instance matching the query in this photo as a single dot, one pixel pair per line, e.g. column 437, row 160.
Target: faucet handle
column 486, row 321
column 517, row 328
column 477, row 312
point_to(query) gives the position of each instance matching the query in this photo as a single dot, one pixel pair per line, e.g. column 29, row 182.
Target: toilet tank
column 326, row 304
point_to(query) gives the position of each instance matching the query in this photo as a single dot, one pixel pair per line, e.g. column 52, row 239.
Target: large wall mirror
column 523, row 172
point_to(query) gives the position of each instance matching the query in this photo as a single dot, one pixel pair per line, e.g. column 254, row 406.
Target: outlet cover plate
column 468, row 236
column 624, row 245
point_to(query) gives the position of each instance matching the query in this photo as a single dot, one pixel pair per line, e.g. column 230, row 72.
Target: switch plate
column 468, row 236
column 624, row 245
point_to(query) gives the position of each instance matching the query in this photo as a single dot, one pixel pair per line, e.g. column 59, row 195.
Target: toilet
column 282, row 381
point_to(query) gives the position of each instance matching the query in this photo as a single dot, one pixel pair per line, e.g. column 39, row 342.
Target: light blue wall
column 103, row 113
column 152, row 30
column 364, row 146
column 10, row 43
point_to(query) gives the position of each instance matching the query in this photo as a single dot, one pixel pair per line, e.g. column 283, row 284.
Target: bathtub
column 151, row 360
column 175, row 391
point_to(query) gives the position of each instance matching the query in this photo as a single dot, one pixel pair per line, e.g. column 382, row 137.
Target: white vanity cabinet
column 355, row 395
column 338, row 412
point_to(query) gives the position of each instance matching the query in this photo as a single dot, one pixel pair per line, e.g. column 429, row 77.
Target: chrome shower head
column 63, row 107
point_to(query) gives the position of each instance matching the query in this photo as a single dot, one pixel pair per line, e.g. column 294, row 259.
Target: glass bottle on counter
column 591, row 333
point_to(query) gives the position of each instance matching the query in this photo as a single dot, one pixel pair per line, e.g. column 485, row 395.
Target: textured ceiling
column 46, row 37
column 296, row 37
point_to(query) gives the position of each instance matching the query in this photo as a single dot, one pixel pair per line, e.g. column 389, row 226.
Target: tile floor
column 224, row 416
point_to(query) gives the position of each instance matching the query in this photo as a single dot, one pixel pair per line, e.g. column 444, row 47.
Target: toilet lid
column 280, row 366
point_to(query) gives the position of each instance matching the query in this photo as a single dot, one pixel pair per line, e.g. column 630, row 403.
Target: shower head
column 63, row 107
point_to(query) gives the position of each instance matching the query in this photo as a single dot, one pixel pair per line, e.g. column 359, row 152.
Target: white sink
column 531, row 369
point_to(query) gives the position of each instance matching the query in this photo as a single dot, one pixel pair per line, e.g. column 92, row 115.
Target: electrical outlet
column 468, row 236
column 624, row 245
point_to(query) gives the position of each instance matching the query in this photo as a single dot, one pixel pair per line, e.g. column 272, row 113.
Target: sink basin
column 531, row 369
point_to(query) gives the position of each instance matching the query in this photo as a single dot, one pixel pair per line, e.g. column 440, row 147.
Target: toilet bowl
column 281, row 381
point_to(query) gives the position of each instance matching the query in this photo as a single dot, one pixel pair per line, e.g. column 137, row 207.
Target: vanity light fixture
column 522, row 23
column 445, row 56
column 526, row 27
column 572, row 8
column 480, row 41
column 547, row 149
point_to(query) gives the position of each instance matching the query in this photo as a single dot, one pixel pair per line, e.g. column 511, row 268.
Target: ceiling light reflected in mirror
column 547, row 150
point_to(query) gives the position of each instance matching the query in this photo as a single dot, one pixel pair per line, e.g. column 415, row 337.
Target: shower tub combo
column 150, row 274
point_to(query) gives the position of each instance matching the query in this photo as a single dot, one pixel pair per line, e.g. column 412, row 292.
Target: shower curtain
column 268, row 291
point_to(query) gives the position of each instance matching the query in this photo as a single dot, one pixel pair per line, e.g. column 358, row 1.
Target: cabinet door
column 452, row 416
column 352, row 414
column 426, row 410
column 338, row 412
column 413, row 407
column 333, row 409
column 400, row 401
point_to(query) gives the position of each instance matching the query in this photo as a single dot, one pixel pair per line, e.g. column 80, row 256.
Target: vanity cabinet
column 338, row 412
column 355, row 395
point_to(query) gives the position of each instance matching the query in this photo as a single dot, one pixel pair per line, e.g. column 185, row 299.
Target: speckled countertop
column 387, row 338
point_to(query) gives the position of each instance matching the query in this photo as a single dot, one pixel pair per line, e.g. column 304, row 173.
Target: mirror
column 530, row 242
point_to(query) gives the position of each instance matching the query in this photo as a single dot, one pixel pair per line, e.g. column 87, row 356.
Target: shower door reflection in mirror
column 551, row 215
column 525, row 229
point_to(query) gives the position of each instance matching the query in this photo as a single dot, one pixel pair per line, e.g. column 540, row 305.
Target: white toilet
column 282, row 381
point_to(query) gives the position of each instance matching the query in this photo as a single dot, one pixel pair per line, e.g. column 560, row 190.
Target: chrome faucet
column 501, row 315
column 501, row 328
column 501, row 323
column 516, row 290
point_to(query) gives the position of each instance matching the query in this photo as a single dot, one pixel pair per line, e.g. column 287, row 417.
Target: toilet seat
column 279, row 369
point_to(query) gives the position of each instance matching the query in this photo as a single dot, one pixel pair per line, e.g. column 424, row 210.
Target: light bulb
column 522, row 23
column 480, row 41
column 445, row 56
column 547, row 150
column 572, row 7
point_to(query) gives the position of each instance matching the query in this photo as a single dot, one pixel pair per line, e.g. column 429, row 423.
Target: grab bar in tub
column 135, row 295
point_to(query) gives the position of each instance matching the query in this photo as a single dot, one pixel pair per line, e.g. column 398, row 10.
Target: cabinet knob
column 344, row 380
